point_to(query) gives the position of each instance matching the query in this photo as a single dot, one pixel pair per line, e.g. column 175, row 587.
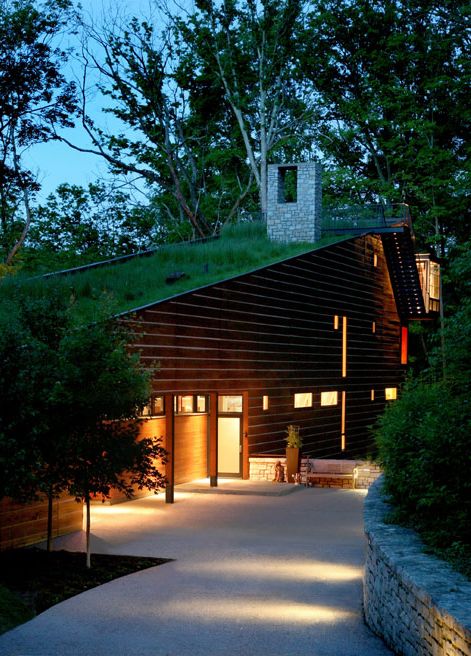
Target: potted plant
column 293, row 444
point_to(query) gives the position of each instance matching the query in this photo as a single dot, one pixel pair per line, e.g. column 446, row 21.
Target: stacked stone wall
column 262, row 468
column 414, row 601
column 299, row 220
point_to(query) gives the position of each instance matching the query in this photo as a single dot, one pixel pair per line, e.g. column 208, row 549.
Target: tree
column 423, row 437
column 100, row 391
column 70, row 397
column 393, row 105
column 77, row 224
column 135, row 70
column 250, row 48
column 35, row 99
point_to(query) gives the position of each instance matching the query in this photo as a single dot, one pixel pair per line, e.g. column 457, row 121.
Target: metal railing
column 365, row 217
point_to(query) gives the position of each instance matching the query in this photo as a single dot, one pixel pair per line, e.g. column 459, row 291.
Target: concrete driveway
column 255, row 574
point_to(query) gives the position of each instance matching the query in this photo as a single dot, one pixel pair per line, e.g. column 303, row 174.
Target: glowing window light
column 404, row 344
column 303, row 400
column 344, row 347
column 329, row 398
column 266, row 402
column 390, row 393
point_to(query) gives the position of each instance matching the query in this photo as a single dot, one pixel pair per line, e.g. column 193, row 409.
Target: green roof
column 130, row 284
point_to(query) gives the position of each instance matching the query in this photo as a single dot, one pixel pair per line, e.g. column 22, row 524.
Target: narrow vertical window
column 344, row 404
column 344, row 347
column 265, row 402
column 373, row 327
column 372, row 395
column 375, row 259
column 404, row 344
column 336, row 322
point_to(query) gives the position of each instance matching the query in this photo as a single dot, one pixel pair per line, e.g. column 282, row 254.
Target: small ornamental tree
column 101, row 388
column 69, row 398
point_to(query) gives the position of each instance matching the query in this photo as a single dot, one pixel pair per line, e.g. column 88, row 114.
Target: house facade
column 317, row 340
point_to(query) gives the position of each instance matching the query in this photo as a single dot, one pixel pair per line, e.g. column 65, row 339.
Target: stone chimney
column 294, row 202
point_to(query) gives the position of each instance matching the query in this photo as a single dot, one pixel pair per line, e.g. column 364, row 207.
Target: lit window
column 372, row 395
column 373, row 327
column 336, row 322
column 185, row 404
column 344, row 347
column 228, row 403
column 303, row 400
column 265, row 402
column 404, row 340
column 190, row 404
column 154, row 408
column 375, row 259
column 329, row 398
column 201, row 404
column 390, row 393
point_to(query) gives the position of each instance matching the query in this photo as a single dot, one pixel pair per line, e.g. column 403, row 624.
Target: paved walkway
column 254, row 575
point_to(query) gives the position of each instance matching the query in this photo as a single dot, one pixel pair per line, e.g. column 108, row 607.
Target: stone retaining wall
column 263, row 469
column 415, row 602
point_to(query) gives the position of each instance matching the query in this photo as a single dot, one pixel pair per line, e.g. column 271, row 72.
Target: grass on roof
column 142, row 280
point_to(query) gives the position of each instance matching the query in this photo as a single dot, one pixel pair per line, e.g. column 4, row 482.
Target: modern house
column 318, row 339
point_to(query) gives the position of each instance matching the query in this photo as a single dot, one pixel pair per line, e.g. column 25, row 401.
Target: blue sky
column 54, row 162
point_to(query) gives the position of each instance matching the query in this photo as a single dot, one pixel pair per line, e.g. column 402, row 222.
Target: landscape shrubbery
column 423, row 439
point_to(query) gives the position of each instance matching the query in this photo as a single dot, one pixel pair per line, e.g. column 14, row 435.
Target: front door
column 229, row 446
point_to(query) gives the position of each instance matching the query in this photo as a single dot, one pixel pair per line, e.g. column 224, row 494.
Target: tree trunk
column 87, row 503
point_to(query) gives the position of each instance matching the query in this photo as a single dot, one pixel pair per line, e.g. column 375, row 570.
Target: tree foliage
column 70, row 396
column 246, row 54
column 78, row 224
column 423, row 437
column 35, row 100
column 392, row 85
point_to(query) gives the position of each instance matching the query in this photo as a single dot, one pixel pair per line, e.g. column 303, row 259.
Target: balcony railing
column 365, row 217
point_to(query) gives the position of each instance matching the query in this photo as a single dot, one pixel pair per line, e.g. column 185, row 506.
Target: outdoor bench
column 332, row 471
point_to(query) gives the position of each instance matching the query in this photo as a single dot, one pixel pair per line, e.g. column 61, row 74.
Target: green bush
column 423, row 442
column 423, row 438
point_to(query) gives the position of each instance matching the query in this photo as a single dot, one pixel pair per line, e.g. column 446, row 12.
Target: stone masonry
column 262, row 468
column 417, row 603
column 298, row 220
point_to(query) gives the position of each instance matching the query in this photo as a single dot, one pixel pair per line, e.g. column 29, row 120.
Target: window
column 227, row 403
column 303, row 400
column 155, row 407
column 329, row 398
column 373, row 327
column 189, row 404
column 265, row 402
column 390, row 393
column 375, row 259
column 287, row 184
column 344, row 347
column 404, row 340
column 336, row 322
column 372, row 395
column 185, row 404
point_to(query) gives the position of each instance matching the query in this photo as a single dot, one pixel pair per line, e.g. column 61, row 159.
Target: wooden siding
column 272, row 332
column 152, row 427
column 25, row 524
column 191, row 447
